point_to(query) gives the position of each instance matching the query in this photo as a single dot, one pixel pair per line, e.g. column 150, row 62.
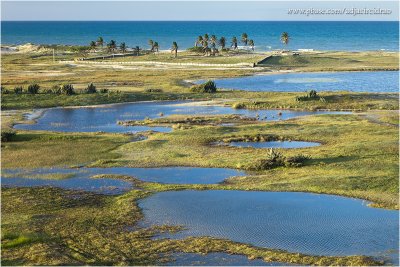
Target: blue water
column 273, row 144
column 104, row 118
column 296, row 222
column 78, row 181
column 351, row 36
column 217, row 259
column 82, row 180
column 371, row 81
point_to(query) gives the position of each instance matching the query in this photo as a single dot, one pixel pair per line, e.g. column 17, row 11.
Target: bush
column 276, row 159
column 151, row 90
column 238, row 105
column 312, row 95
column 18, row 90
column 67, row 89
column 7, row 135
column 296, row 161
column 198, row 49
column 55, row 89
column 91, row 89
column 103, row 91
column 4, row 90
column 33, row 88
column 207, row 87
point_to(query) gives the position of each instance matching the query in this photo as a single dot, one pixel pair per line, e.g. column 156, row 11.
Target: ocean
column 346, row 36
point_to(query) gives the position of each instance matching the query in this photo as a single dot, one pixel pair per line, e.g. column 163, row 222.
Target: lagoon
column 367, row 81
column 105, row 117
column 272, row 144
column 81, row 178
column 296, row 222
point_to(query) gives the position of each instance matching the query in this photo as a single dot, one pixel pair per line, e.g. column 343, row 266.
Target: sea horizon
column 317, row 35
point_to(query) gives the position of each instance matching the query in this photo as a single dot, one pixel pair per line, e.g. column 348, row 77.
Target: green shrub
column 198, row 49
column 4, row 90
column 152, row 90
column 18, row 89
column 90, row 89
column 296, row 161
column 311, row 95
column 103, row 91
column 207, row 87
column 33, row 88
column 7, row 135
column 67, row 89
column 276, row 159
column 238, row 105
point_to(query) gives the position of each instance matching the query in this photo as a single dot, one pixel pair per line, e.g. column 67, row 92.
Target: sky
column 197, row 10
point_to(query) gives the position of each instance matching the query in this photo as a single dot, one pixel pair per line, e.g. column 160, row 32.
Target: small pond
column 71, row 179
column 366, row 81
column 296, row 222
column 80, row 179
column 217, row 259
column 272, row 144
column 104, row 118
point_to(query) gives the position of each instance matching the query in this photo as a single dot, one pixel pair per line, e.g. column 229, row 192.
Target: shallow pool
column 366, row 81
column 297, row 222
column 217, row 259
column 80, row 179
column 71, row 179
column 272, row 144
column 105, row 118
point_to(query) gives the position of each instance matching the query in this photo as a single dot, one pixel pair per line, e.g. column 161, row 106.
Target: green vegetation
column 91, row 89
column 174, row 49
column 32, row 150
column 276, row 159
column 178, row 120
column 47, row 226
column 285, row 38
column 358, row 158
column 207, row 87
column 7, row 135
column 334, row 61
column 312, row 95
column 32, row 89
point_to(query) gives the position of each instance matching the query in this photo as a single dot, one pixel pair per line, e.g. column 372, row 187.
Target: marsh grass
column 335, row 61
column 32, row 150
column 358, row 158
column 47, row 176
column 85, row 228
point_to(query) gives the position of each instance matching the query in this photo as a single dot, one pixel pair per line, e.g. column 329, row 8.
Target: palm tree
column 122, row 46
column 156, row 46
column 151, row 44
column 205, row 38
column 251, row 44
column 285, row 38
column 92, row 45
column 174, row 48
column 213, row 41
column 244, row 38
column 136, row 50
column 234, row 42
column 113, row 45
column 198, row 41
column 100, row 41
column 205, row 47
column 222, row 42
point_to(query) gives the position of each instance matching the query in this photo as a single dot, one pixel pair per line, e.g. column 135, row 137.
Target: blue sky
column 187, row 10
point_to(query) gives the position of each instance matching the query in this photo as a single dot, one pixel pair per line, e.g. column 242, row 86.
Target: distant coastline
column 339, row 36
